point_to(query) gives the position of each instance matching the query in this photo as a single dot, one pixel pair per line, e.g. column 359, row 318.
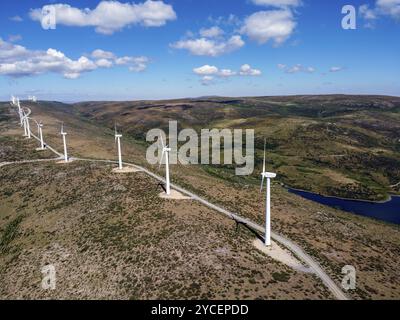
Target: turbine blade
column 265, row 142
column 162, row 157
column 262, row 183
column 162, row 140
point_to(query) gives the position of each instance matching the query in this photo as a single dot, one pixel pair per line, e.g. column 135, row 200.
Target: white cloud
column 335, row 69
column 296, row 68
column 366, row 12
column 246, row 70
column 208, row 47
column 382, row 8
column 230, row 20
column 17, row 61
column 101, row 54
column 207, row 80
column 274, row 25
column 111, row 16
column 139, row 64
column 277, row 3
column 206, row 70
column 226, row 73
column 210, row 73
column 9, row 51
column 389, row 7
column 135, row 64
column 282, row 66
column 212, row 32
column 104, row 63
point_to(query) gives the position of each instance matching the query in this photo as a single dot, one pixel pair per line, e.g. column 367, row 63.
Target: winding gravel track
column 308, row 260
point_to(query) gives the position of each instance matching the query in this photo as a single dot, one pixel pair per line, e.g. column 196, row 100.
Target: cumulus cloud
column 296, row 68
column 101, row 54
column 277, row 3
column 389, row 7
column 212, row 32
column 207, row 80
column 17, row 61
column 246, row 70
column 104, row 63
column 208, row 47
column 206, row 70
column 136, row 64
column 382, row 8
column 226, row 73
column 111, row 16
column 274, row 25
column 282, row 66
column 209, row 73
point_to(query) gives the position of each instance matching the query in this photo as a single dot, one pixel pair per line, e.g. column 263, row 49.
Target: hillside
column 78, row 228
column 346, row 146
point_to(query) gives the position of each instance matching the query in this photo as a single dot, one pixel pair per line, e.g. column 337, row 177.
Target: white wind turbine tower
column 27, row 128
column 165, row 151
column 118, row 141
column 40, row 133
column 64, row 142
column 21, row 118
column 24, row 123
column 268, row 176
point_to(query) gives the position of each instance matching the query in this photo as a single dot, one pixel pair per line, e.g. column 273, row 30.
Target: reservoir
column 388, row 211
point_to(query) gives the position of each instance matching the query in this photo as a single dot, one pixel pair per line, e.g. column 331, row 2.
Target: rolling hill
column 89, row 224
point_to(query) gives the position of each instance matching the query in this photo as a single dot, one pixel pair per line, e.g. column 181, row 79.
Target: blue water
column 387, row 211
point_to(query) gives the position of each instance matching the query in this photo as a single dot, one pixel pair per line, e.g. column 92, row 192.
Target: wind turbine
column 24, row 123
column 21, row 118
column 40, row 133
column 64, row 141
column 118, row 141
column 27, row 129
column 40, row 127
column 165, row 152
column 268, row 176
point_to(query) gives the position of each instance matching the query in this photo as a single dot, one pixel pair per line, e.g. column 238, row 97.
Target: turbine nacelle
column 268, row 175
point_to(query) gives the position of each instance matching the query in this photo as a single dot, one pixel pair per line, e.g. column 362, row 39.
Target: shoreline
column 388, row 199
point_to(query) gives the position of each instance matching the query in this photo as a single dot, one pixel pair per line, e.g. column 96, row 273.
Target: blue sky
column 190, row 48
